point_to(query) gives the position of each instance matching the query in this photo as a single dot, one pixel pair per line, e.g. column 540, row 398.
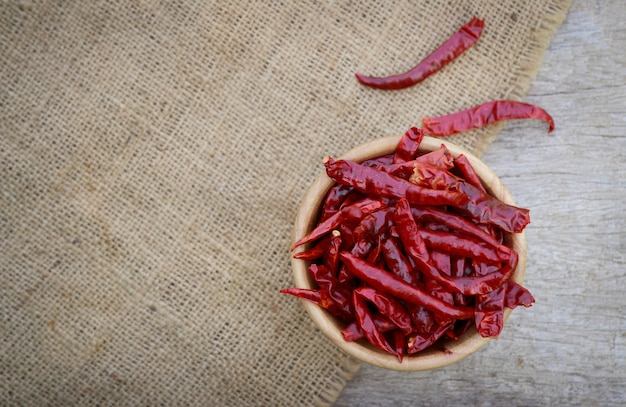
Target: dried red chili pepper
column 408, row 145
column 467, row 172
column 415, row 247
column 316, row 251
column 454, row 222
column 453, row 243
column 352, row 332
column 374, row 224
column 379, row 183
column 489, row 313
column 482, row 115
column 334, row 198
column 482, row 207
column 320, row 298
column 368, row 326
column 440, row 157
column 517, row 295
column 348, row 214
column 459, row 42
column 327, row 282
column 331, row 257
column 419, row 342
column 397, row 263
column 388, row 306
column 399, row 342
column 381, row 280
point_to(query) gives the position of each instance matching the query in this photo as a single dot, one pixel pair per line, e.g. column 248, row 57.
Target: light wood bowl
column 443, row 353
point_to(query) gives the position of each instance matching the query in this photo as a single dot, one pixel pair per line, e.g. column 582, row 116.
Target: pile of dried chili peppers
column 409, row 247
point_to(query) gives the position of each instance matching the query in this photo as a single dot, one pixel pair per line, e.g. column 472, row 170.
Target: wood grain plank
column 570, row 347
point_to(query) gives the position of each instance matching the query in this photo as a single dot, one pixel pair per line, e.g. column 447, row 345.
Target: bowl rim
column 306, row 218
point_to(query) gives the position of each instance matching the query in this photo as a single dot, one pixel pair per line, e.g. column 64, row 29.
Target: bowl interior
column 444, row 352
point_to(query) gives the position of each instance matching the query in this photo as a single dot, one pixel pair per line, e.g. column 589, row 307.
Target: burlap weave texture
column 152, row 159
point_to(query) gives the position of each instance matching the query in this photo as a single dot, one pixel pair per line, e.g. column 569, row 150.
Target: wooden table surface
column 570, row 347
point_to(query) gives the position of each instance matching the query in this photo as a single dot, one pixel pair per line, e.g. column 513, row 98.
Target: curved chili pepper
column 327, row 282
column 388, row 306
column 454, row 222
column 517, row 295
column 331, row 257
column 374, row 224
column 457, row 269
column 333, row 200
column 468, row 173
column 385, row 282
column 482, row 207
column 408, row 145
column 418, row 342
column 379, row 183
column 316, row 251
column 440, row 157
column 453, row 243
column 482, row 115
column 460, row 41
column 368, row 326
column 399, row 342
column 348, row 214
column 320, row 298
column 397, row 263
column 490, row 313
column 352, row 332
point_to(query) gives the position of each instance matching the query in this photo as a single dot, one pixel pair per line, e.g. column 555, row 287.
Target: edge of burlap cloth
column 152, row 159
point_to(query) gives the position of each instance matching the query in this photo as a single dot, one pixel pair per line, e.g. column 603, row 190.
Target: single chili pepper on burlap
column 408, row 145
column 482, row 115
column 383, row 281
column 352, row 332
column 379, row 183
column 482, row 207
column 517, row 295
column 388, row 306
column 367, row 324
column 348, row 214
column 459, row 42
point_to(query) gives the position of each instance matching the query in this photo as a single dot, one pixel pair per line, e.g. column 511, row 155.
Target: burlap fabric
column 152, row 159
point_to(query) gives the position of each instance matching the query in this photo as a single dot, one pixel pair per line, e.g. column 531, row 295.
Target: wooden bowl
column 441, row 354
